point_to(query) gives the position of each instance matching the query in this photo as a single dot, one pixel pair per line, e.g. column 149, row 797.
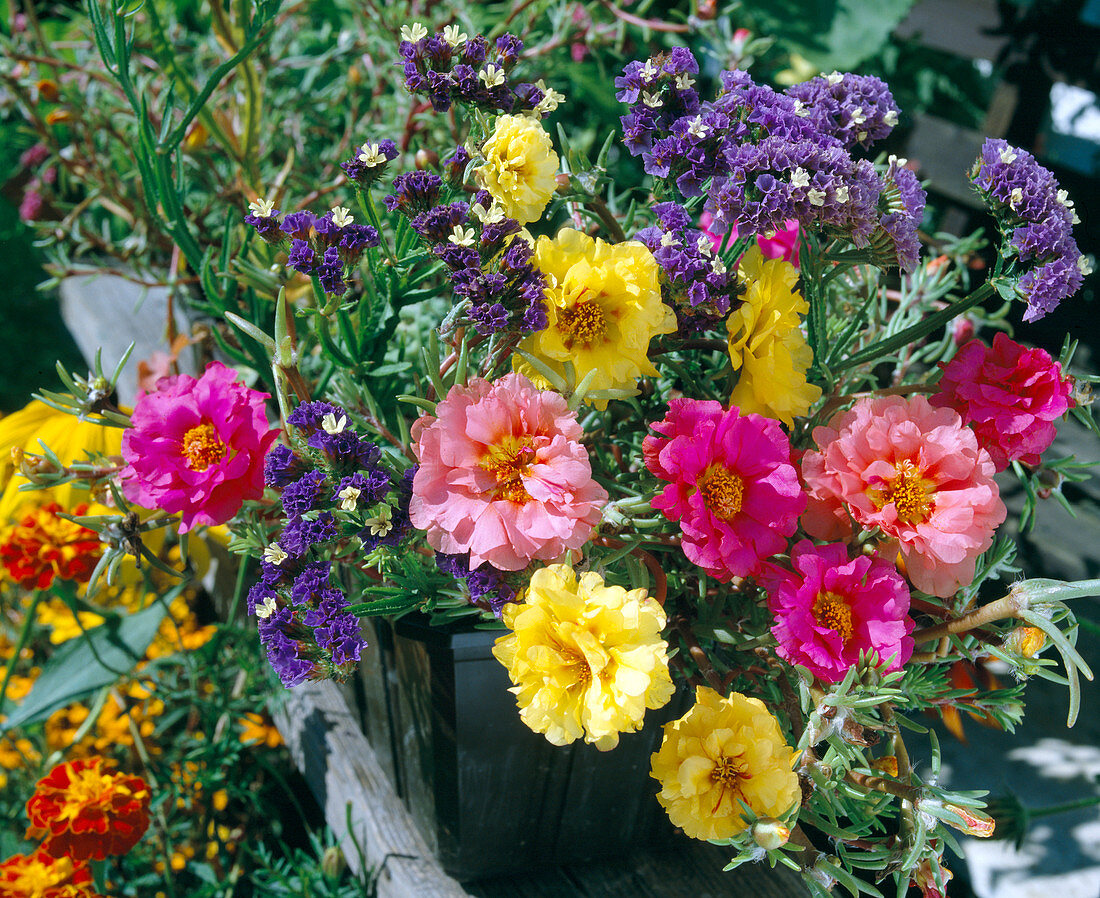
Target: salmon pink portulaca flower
column 197, row 447
column 1009, row 394
column 84, row 811
column 503, row 475
column 731, row 484
column 914, row 472
column 830, row 609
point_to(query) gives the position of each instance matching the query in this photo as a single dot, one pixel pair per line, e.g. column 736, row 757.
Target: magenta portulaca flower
column 915, row 473
column 732, row 487
column 1009, row 394
column 503, row 475
column 197, row 447
column 831, row 608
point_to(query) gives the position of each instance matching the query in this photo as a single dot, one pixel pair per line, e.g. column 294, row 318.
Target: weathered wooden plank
column 341, row 768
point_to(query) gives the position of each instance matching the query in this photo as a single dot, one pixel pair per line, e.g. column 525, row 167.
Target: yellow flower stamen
column 509, row 462
column 202, row 448
column 583, row 323
column 832, row 611
column 911, row 494
column 722, row 491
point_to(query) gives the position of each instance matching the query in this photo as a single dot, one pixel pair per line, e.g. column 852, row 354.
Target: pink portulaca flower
column 832, row 608
column 197, row 447
column 782, row 244
column 503, row 475
column 1009, row 394
column 914, row 472
column 732, row 486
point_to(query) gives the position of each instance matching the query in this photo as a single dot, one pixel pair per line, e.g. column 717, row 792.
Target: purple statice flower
column 327, row 231
column 309, row 417
column 310, row 583
column 414, row 192
column 438, row 225
column 484, row 583
column 298, row 225
column 659, row 91
column 694, row 282
column 370, row 162
column 345, row 450
column 276, row 574
column 301, row 534
column 455, row 164
column 284, row 655
column 901, row 202
column 331, row 273
column 327, row 602
column 854, row 109
column 265, row 220
column 392, row 525
column 304, row 494
column 354, row 238
column 1036, row 221
column 257, row 594
column 302, row 258
column 360, row 489
column 281, row 466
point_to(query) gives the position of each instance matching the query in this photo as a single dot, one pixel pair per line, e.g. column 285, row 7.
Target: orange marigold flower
column 39, row 875
column 43, row 546
column 85, row 811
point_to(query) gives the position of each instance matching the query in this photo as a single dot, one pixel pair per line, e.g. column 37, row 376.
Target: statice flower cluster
column 485, row 584
column 694, row 280
column 328, row 247
column 334, row 490
column 452, row 67
column 901, row 205
column 762, row 157
column 492, row 270
column 1036, row 220
column 370, row 162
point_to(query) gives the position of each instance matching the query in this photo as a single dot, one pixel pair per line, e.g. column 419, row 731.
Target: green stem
column 366, row 204
column 1090, row 802
column 920, row 329
column 24, row 636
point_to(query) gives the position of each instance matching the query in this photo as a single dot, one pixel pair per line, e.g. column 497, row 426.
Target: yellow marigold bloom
column 586, row 659
column 520, row 167
column 723, row 750
column 69, row 438
column 64, row 624
column 766, row 343
column 603, row 304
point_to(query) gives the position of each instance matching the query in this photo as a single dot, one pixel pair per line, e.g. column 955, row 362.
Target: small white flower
column 487, row 216
column 1009, row 155
column 801, row 109
column 274, row 554
column 718, row 266
column 268, row 608
column 330, row 424
column 834, row 78
column 858, row 116
column 551, row 99
column 491, row 76
column 861, row 135
column 684, row 81
column 652, row 100
column 897, row 161
column 262, row 208
column 668, row 239
column 348, row 497
column 705, row 245
column 1063, row 197
column 413, row 33
column 891, row 117
column 454, row 36
column 381, row 523
column 1015, row 198
column 370, row 155
column 696, row 128
column 816, row 197
column 1084, row 265
column 461, row 236
column 341, row 216
column 800, row 178
column 842, row 193
column 649, row 71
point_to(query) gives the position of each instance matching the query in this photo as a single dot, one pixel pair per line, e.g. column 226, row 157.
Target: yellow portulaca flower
column 766, row 343
column 520, row 167
column 603, row 304
column 586, row 659
column 722, row 752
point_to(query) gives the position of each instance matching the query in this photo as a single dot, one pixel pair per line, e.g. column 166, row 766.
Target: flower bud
column 563, row 183
column 57, row 116
column 47, row 90
column 887, row 764
column 769, row 833
column 973, row 822
column 1025, row 641
column 333, row 863
column 196, row 137
column 426, row 159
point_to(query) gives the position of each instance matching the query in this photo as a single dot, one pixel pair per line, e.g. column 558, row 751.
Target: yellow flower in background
column 603, row 304
column 70, row 439
column 64, row 624
column 256, row 729
column 586, row 659
column 520, row 167
column 766, row 343
column 722, row 751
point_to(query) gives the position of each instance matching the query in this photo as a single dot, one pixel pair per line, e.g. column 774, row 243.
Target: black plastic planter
column 490, row 796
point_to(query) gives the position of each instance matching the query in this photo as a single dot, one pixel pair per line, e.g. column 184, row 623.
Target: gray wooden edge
column 343, row 772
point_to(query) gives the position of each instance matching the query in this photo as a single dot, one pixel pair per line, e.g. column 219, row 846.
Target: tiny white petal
column 330, row 424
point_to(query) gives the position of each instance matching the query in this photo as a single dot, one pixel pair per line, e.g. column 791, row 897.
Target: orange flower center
column 832, row 611
column 722, row 492
column 912, row 495
column 509, row 462
column 90, row 787
column 727, row 774
column 582, row 323
column 202, row 448
column 33, row 875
